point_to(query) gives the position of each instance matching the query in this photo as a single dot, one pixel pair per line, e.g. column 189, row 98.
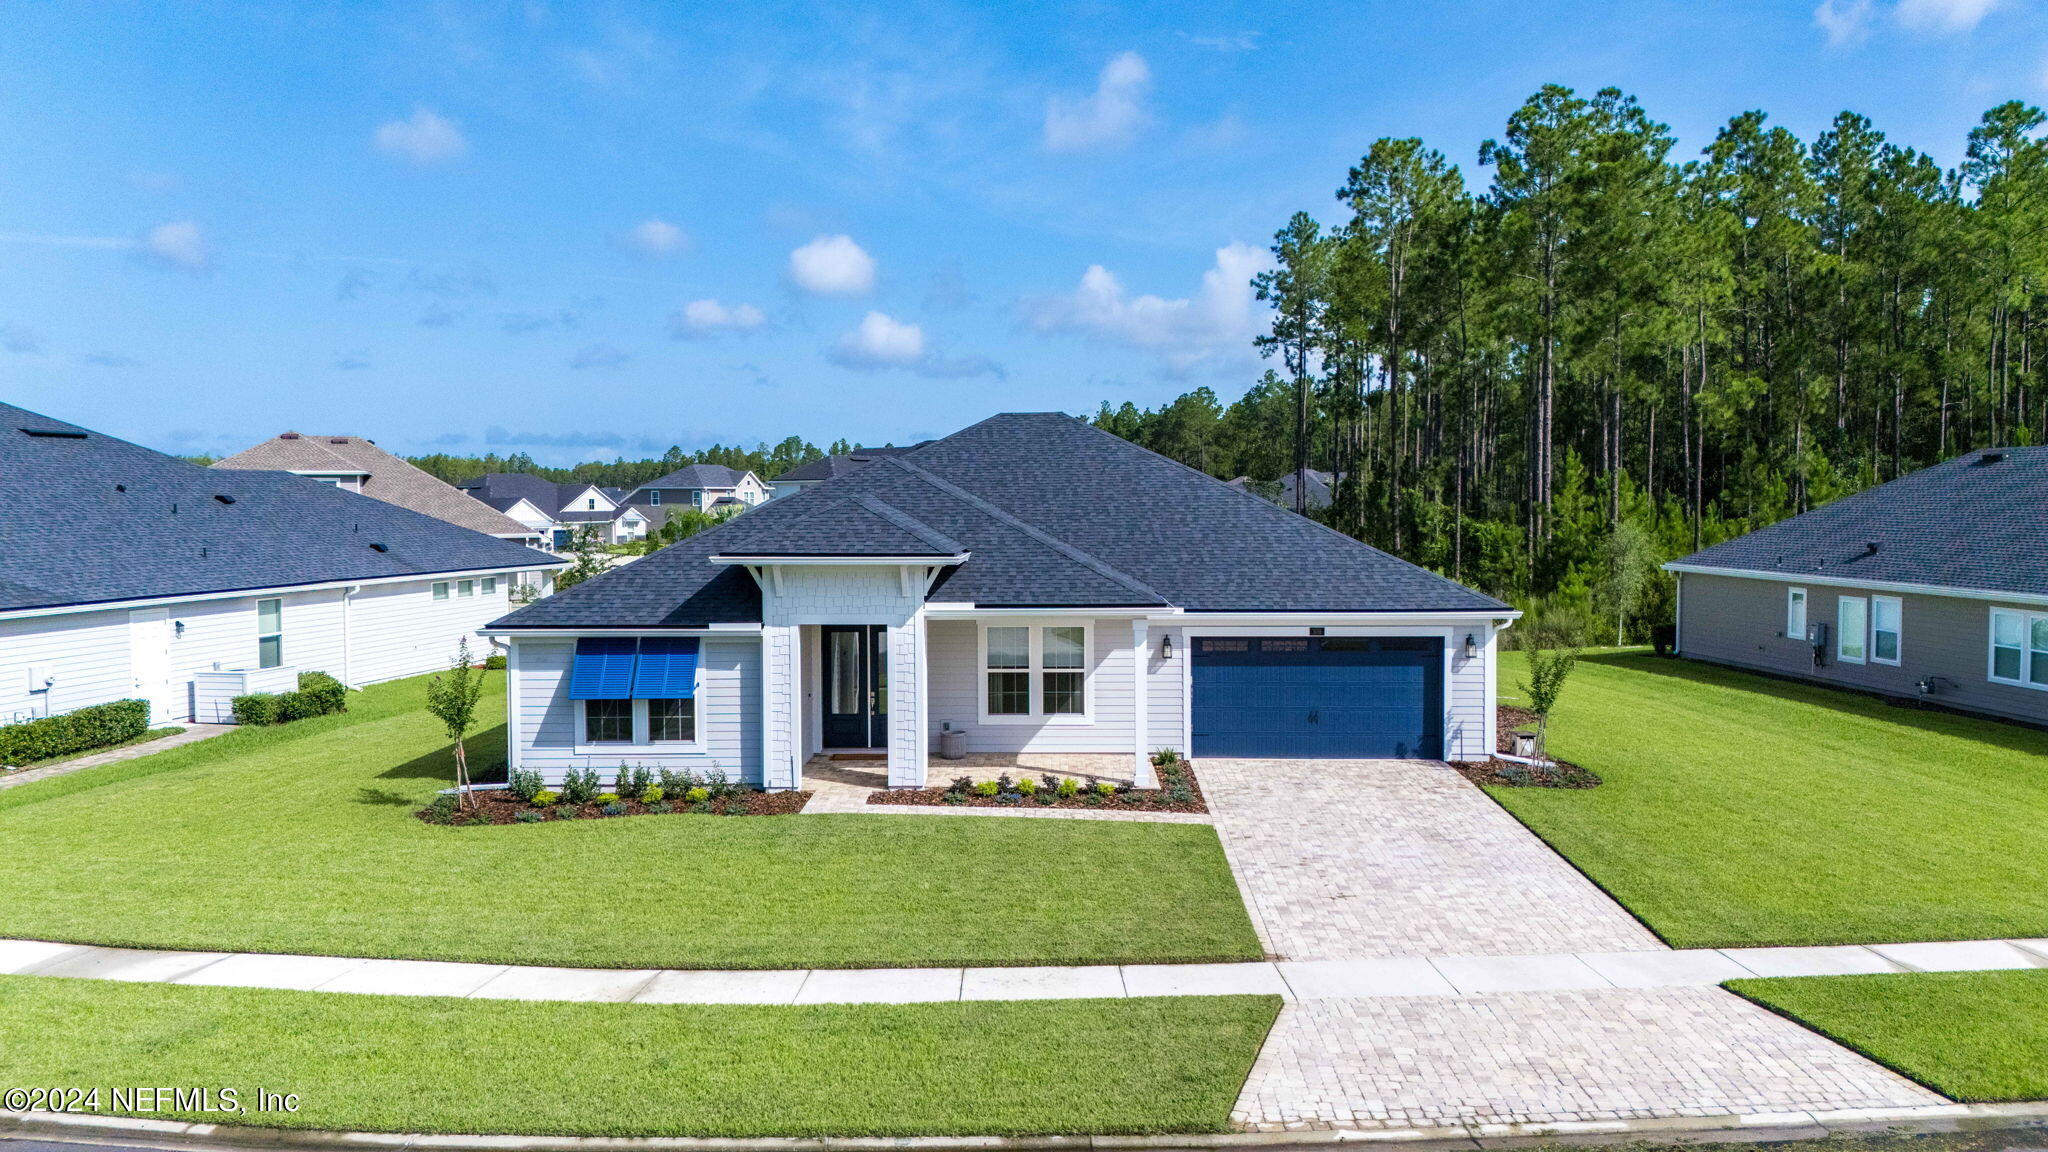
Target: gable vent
column 54, row 433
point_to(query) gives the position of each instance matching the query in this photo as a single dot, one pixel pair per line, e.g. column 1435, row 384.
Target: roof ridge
column 908, row 523
column 1058, row 545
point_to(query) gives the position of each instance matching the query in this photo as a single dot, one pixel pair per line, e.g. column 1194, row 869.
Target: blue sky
column 584, row 230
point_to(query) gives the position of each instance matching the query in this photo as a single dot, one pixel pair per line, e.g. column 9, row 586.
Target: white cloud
column 1944, row 15
column 710, row 317
column 833, row 266
column 881, row 341
column 179, row 244
column 427, row 138
column 1219, row 319
column 658, row 238
column 1109, row 116
column 1844, row 21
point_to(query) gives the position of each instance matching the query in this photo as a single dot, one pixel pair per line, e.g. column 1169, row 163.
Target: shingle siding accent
column 1740, row 622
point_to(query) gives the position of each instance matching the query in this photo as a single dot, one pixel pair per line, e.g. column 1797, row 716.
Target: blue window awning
column 667, row 670
column 603, row 669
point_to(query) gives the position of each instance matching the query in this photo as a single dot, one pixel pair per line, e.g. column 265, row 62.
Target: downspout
column 348, row 678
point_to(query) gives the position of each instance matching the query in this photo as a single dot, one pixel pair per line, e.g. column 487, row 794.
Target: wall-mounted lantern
column 1166, row 646
column 1471, row 646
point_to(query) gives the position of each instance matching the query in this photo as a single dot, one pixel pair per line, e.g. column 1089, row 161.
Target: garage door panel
column 1308, row 697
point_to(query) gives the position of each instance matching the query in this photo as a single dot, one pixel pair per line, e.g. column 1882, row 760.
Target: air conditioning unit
column 214, row 691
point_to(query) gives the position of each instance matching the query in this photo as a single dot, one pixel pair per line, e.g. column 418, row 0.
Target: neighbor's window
column 1884, row 629
column 490, row 586
column 1852, row 622
column 465, row 587
column 269, row 633
column 2019, row 648
column 654, row 497
column 593, row 503
column 1795, row 613
column 1009, row 671
column 607, row 721
column 671, row 721
column 1062, row 662
column 440, row 589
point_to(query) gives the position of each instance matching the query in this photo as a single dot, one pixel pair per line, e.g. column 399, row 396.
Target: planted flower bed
column 1178, row 791
column 1510, row 774
column 635, row 791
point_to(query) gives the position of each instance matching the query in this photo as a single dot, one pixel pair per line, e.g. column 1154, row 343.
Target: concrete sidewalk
column 191, row 734
column 1295, row 980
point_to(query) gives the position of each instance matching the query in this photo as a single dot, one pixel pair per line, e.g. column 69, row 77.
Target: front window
column 1852, row 620
column 1035, row 670
column 1009, row 675
column 1884, row 629
column 1061, row 688
column 1795, row 613
column 671, row 721
column 269, row 633
column 607, row 721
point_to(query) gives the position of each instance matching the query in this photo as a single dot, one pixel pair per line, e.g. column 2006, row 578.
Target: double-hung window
column 1795, row 613
column 1034, row 670
column 654, row 497
column 269, row 633
column 635, row 691
column 2019, row 648
column 1884, row 630
column 1852, row 627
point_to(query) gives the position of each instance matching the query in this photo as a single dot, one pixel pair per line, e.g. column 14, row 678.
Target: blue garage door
column 1318, row 697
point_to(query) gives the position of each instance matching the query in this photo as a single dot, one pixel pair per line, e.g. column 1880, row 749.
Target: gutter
column 1821, row 576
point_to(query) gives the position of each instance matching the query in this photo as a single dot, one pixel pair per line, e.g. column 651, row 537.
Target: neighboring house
column 196, row 583
column 1934, row 585
column 818, row 471
column 704, row 487
column 1320, row 487
column 961, row 584
column 558, row 510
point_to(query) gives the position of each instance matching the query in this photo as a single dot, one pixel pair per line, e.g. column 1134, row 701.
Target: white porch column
column 1141, row 740
column 781, row 754
column 907, row 691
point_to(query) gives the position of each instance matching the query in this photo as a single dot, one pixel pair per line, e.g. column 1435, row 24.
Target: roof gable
column 387, row 477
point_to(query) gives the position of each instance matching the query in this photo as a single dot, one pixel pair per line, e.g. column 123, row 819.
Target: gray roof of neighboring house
column 832, row 466
column 1978, row 521
column 1321, row 487
column 158, row 528
column 1002, row 491
column 542, row 492
column 696, row 476
column 387, row 478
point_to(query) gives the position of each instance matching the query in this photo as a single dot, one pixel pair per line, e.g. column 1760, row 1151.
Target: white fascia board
column 517, row 633
column 1250, row 619
column 958, row 611
column 864, row 561
column 1866, row 585
column 545, row 561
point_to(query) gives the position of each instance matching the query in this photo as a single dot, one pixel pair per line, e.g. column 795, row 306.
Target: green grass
column 396, row 1064
column 1743, row 810
column 1972, row 1036
column 301, row 838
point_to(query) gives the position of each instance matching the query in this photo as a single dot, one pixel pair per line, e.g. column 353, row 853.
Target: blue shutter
column 603, row 668
column 668, row 668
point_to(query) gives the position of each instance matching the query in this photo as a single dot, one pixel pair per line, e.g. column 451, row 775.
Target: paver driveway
column 1364, row 859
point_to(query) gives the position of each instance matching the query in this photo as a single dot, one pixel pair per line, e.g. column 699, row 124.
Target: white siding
column 401, row 630
column 1469, row 720
column 954, row 647
column 1166, row 723
column 728, row 712
column 86, row 652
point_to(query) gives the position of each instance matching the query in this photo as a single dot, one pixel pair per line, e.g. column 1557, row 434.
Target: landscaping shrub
column 1027, row 786
column 1068, row 786
column 652, row 795
column 579, row 785
column 1104, row 788
column 660, row 807
column 631, row 782
column 988, row 787
column 697, row 795
column 495, row 662
column 530, row 817
column 960, row 785
column 442, row 810
column 526, row 785
column 77, row 731
column 256, row 708
column 606, row 798
column 614, row 808
column 318, row 694
column 326, row 693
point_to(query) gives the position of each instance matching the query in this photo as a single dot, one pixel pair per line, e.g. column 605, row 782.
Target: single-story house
column 1934, row 586
column 1318, row 488
column 829, row 467
column 702, row 486
column 141, row 575
column 555, row 511
column 963, row 585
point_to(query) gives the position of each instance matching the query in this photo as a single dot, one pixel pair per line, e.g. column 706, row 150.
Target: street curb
column 1758, row 1127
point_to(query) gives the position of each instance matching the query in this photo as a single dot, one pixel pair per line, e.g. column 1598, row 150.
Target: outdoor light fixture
column 1166, row 647
column 178, row 629
column 1471, row 646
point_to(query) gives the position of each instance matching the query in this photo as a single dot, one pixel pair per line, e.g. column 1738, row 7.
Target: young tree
column 451, row 699
column 589, row 558
column 1631, row 565
column 1548, row 670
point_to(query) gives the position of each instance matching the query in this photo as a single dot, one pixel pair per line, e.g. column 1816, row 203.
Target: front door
column 856, row 679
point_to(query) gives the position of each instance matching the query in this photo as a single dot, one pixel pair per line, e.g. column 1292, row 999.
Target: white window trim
column 1899, row 633
column 487, row 585
column 2026, row 648
column 1842, row 634
column 1797, row 600
column 1036, row 670
column 441, row 589
column 465, row 589
column 641, row 744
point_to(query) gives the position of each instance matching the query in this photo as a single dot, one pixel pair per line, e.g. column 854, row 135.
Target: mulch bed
column 1507, row 773
column 1132, row 800
column 504, row 808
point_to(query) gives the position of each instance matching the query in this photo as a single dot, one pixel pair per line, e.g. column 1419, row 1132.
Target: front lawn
column 1972, row 1036
column 397, row 1064
column 301, row 838
column 1743, row 810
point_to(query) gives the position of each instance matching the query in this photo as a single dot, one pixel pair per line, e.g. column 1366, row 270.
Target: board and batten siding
column 954, row 652
column 1740, row 622
column 728, row 713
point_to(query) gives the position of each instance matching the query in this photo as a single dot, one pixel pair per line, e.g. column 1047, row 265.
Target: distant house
column 818, row 471
column 704, row 487
column 1320, row 487
column 556, row 511
column 196, row 584
column 1932, row 586
column 358, row 465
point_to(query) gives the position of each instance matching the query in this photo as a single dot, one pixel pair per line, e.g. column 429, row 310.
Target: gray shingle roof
column 1979, row 521
column 833, row 466
column 696, row 476
column 859, row 525
column 1170, row 537
column 389, row 478
column 115, row 521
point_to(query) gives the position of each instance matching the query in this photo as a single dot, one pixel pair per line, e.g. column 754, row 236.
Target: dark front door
column 856, row 680
column 1311, row 697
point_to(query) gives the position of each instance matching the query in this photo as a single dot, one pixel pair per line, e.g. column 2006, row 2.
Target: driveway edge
column 80, row 1128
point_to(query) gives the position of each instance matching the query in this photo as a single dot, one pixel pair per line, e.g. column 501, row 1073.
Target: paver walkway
column 1348, row 861
column 192, row 733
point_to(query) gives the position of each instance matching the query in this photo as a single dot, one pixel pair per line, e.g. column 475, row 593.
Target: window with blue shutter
column 667, row 669
column 603, row 669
